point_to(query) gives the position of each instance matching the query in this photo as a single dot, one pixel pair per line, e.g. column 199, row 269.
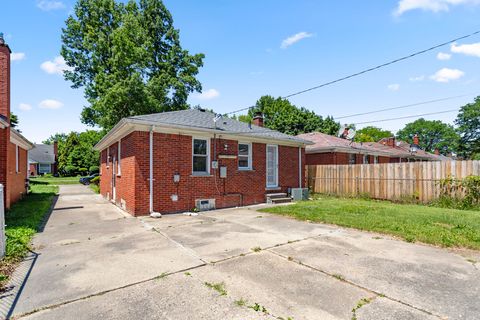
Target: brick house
column 327, row 149
column 43, row 158
column 175, row 161
column 13, row 146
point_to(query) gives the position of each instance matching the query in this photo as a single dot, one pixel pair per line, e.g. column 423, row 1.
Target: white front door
column 272, row 166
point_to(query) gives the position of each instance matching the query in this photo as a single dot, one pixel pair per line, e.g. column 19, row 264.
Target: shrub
column 95, row 180
column 94, row 169
column 83, row 171
column 70, row 171
column 459, row 193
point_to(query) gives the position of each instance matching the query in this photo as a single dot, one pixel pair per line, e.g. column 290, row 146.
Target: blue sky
column 272, row 47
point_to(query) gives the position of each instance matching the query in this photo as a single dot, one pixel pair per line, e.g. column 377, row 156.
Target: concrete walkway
column 94, row 262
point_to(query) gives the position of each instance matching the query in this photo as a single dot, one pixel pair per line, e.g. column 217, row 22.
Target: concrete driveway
column 95, row 262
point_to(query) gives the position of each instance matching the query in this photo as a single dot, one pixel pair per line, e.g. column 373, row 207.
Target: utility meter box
column 223, row 172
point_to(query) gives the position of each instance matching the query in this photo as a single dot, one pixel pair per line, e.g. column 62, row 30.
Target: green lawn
column 437, row 226
column 23, row 220
column 55, row 181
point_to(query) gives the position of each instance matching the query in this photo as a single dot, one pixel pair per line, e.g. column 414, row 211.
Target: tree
column 281, row 115
column 13, row 120
column 128, row 59
column 76, row 150
column 372, row 134
column 468, row 122
column 433, row 134
column 59, row 137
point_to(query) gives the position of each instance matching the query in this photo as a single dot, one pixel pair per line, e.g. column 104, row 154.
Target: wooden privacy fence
column 390, row 181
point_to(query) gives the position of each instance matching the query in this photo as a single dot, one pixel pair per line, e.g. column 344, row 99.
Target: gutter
column 299, row 167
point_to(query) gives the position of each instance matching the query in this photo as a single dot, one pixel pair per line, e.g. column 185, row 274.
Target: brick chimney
column 258, row 119
column 55, row 153
column 390, row 142
column 416, row 140
column 4, row 79
column 5, row 114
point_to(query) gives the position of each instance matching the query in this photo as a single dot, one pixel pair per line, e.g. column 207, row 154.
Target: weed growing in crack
column 360, row 304
column 163, row 275
column 290, row 259
column 338, row 276
column 256, row 249
column 219, row 287
column 241, row 302
column 188, row 274
column 258, row 308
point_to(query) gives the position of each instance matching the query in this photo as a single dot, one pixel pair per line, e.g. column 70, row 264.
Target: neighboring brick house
column 13, row 146
column 327, row 149
column 43, row 159
column 175, row 161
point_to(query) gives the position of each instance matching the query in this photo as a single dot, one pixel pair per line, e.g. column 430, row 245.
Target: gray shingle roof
column 42, row 153
column 194, row 118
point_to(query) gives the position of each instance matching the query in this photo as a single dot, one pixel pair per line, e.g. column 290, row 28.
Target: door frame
column 276, row 165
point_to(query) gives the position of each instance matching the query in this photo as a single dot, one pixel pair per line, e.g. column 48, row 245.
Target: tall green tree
column 76, row 149
column 433, row 134
column 281, row 115
column 13, row 120
column 128, row 58
column 372, row 134
column 59, row 137
column 468, row 122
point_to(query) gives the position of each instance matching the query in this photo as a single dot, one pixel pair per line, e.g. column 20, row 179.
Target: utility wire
column 407, row 117
column 402, row 107
column 369, row 69
column 383, row 64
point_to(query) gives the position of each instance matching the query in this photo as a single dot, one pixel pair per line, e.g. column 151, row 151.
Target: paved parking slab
column 95, row 262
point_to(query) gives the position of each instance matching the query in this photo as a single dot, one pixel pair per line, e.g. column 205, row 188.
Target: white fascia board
column 19, row 140
column 350, row 150
column 126, row 126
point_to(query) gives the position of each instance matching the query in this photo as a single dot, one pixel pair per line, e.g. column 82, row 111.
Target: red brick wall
column 16, row 180
column 173, row 154
column 5, row 113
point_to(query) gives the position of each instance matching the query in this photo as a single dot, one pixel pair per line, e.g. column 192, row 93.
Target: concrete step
column 276, row 195
column 281, row 200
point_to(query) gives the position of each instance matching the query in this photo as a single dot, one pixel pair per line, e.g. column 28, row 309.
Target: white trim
column 276, row 166
column 17, row 160
column 199, row 173
column 249, row 156
column 150, row 173
column 300, row 167
column 119, row 158
column 108, row 157
column 17, row 139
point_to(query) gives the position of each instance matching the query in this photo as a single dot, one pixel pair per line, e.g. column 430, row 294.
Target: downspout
column 299, row 167
column 152, row 213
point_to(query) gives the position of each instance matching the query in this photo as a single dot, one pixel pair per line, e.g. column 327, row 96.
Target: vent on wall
column 205, row 204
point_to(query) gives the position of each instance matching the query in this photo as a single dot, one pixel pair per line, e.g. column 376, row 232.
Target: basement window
column 244, row 156
column 200, row 156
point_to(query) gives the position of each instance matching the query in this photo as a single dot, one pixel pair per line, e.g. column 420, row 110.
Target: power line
column 407, row 117
column 383, row 65
column 401, row 107
column 369, row 69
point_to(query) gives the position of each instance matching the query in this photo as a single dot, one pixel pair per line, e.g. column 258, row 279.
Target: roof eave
column 20, row 140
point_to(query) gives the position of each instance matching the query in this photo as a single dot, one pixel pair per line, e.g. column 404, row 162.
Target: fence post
column 2, row 224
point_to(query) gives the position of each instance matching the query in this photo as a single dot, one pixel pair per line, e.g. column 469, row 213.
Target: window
column 244, row 156
column 108, row 157
column 375, row 159
column 366, row 159
column 17, row 156
column 44, row 168
column 119, row 151
column 351, row 158
column 200, row 156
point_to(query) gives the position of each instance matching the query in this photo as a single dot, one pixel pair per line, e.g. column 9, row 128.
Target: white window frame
column 375, row 159
column 250, row 160
column 40, row 171
column 17, row 156
column 119, row 158
column 366, row 159
column 200, row 173
column 352, row 160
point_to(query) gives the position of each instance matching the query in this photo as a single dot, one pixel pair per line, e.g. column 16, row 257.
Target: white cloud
column 24, row 107
column 50, row 104
column 294, row 39
column 393, row 87
column 50, row 5
column 472, row 49
column 57, row 66
column 209, row 94
column 430, row 5
column 17, row 56
column 443, row 56
column 446, row 75
column 416, row 79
